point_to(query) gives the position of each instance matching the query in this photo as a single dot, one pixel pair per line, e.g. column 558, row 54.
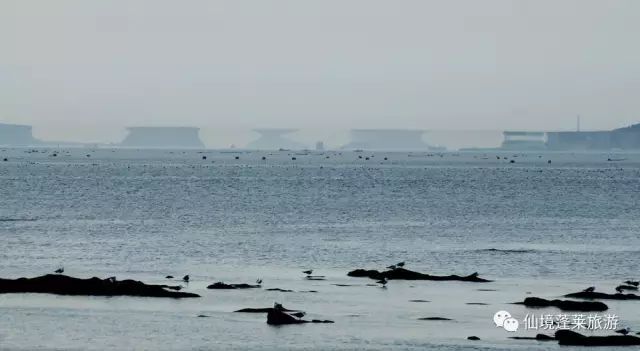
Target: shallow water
column 532, row 226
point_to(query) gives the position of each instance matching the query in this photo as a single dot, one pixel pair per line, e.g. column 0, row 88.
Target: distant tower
column 578, row 123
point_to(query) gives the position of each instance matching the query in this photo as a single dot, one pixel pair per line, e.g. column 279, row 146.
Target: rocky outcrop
column 280, row 317
column 565, row 305
column 264, row 310
column 592, row 295
column 65, row 285
column 405, row 274
column 223, row 286
column 568, row 337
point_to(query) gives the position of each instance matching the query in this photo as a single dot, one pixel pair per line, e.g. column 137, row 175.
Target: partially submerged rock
column 568, row 337
column 592, row 295
column 280, row 290
column 434, row 319
column 280, row 317
column 405, row 274
column 64, row 285
column 263, row 310
column 566, row 305
column 539, row 337
column 473, row 338
column 223, row 286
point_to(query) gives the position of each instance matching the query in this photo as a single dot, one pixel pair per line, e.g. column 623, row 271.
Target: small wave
column 17, row 219
column 507, row 250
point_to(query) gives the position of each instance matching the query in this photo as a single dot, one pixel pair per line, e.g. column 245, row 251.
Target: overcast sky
column 83, row 69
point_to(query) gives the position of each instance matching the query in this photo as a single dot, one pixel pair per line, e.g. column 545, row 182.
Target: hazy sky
column 83, row 69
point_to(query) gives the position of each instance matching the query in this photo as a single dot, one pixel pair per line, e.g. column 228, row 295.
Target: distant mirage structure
column 274, row 139
column 163, row 137
column 388, row 139
column 627, row 138
column 17, row 135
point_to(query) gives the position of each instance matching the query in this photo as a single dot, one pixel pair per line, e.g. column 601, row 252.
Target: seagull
column 185, row 278
column 59, row 270
column 299, row 314
column 382, row 281
column 632, row 282
column 401, row 264
column 624, row 331
column 589, row 289
column 259, row 281
column 392, row 267
column 111, row 279
column 309, row 272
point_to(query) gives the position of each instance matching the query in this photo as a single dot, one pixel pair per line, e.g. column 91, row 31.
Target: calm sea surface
column 536, row 228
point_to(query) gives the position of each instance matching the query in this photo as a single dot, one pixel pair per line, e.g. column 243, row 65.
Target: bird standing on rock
column 309, row 272
column 589, row 289
column 624, row 331
column 382, row 281
column 59, row 270
column 392, row 267
column 185, row 278
column 401, row 264
column 259, row 281
column 632, row 282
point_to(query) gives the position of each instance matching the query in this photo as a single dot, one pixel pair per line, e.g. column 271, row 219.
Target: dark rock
column 262, row 310
column 405, row 274
column 474, row 338
column 419, row 301
column 477, row 304
column 280, row 290
column 64, row 285
column 223, row 286
column 568, row 337
column 434, row 319
column 539, row 337
column 565, row 305
column 315, row 277
column 627, row 287
column 592, row 295
column 279, row 317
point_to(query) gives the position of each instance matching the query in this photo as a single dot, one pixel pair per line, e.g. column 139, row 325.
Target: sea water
column 543, row 225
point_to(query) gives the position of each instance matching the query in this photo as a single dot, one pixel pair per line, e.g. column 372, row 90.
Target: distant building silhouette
column 17, row 135
column 627, row 138
column 163, row 137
